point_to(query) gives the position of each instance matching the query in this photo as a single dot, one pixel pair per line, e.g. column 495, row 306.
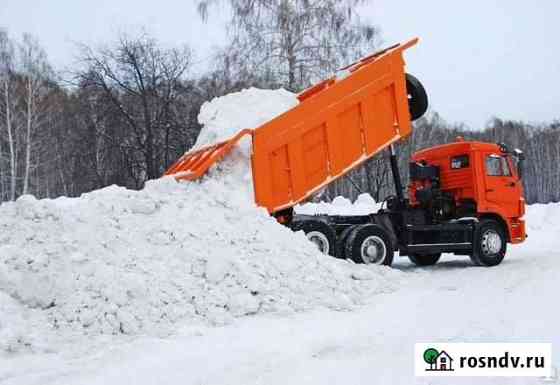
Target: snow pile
column 121, row 261
column 225, row 116
column 116, row 261
column 363, row 205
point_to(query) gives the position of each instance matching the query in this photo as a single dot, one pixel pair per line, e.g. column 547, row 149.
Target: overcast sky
column 476, row 58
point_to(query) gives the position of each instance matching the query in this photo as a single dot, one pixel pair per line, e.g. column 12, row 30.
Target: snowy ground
column 453, row 301
column 193, row 284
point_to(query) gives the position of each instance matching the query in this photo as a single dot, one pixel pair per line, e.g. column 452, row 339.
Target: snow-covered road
column 453, row 301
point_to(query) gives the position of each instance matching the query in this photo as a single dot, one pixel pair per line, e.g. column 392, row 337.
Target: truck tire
column 424, row 260
column 318, row 232
column 369, row 244
column 490, row 244
column 341, row 242
column 417, row 97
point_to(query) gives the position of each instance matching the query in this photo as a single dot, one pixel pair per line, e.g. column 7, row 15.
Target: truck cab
column 483, row 180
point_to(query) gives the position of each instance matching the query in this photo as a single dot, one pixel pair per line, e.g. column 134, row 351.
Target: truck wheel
column 424, row 260
column 490, row 244
column 318, row 232
column 417, row 97
column 369, row 244
column 341, row 242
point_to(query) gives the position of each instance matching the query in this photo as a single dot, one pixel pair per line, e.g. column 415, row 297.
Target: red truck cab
column 482, row 178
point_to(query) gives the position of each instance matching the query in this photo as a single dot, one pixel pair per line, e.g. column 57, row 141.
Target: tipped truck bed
column 338, row 125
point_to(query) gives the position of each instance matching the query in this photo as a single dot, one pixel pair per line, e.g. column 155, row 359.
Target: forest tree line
column 129, row 107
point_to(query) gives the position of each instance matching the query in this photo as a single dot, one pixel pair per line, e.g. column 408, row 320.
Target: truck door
column 503, row 187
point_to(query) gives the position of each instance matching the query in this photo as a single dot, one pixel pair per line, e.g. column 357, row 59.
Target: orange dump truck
column 464, row 198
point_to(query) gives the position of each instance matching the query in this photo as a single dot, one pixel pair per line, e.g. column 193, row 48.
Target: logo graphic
column 438, row 361
column 486, row 359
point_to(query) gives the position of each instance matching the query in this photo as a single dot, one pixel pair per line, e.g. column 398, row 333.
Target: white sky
column 477, row 58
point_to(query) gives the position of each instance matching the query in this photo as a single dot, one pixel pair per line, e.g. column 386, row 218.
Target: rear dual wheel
column 369, row 244
column 318, row 232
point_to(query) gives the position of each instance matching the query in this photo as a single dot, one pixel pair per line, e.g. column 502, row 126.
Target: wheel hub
column 491, row 242
column 373, row 250
column 320, row 240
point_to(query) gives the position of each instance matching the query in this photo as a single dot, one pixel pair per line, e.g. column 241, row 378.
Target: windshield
column 497, row 165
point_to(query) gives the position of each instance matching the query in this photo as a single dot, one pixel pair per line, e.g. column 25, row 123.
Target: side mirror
column 520, row 156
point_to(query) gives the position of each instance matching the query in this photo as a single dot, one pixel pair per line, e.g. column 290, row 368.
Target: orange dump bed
column 338, row 124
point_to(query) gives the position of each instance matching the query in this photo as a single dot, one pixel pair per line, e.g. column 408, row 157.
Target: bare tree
column 36, row 73
column 141, row 80
column 8, row 99
column 294, row 42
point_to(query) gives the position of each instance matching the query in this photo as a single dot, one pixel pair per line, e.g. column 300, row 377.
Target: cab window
column 497, row 165
column 460, row 161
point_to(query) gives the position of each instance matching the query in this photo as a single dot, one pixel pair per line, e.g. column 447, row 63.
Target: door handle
column 511, row 184
column 489, row 190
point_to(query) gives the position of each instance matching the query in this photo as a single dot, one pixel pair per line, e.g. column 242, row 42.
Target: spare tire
column 417, row 97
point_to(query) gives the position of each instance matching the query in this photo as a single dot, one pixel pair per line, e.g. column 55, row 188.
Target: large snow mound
column 139, row 262
column 117, row 261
